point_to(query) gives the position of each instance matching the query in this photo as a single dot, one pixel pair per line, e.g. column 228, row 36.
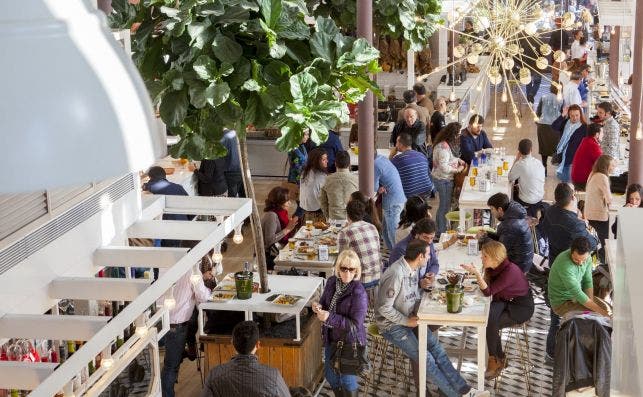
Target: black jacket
column 515, row 234
column 583, row 357
column 417, row 132
column 561, row 226
column 211, row 177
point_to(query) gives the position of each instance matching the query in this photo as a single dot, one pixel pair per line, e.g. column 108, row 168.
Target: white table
column 290, row 258
column 355, row 157
column 306, row 287
column 472, row 198
column 475, row 315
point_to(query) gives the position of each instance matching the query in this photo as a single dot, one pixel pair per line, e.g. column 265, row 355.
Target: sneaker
column 477, row 393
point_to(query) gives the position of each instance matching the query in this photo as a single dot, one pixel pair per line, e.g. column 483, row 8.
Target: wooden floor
column 190, row 379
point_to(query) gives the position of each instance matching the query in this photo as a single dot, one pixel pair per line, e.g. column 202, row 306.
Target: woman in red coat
column 586, row 155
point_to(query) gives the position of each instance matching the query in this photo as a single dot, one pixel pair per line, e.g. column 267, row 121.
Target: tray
column 223, row 296
column 287, row 300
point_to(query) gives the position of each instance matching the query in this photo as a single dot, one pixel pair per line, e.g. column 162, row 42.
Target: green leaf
column 291, row 135
column 214, row 8
column 276, row 72
column 205, row 68
column 241, row 73
column 332, row 109
column 232, row 15
column 278, row 50
column 226, row 69
column 217, row 94
column 318, row 132
column 303, row 88
column 251, row 85
column 200, row 33
column 198, row 96
column 321, row 42
column 170, row 12
column 226, row 49
column 407, row 19
column 174, row 107
column 271, row 11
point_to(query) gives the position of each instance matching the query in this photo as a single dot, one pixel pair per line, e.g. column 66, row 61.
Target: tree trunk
column 255, row 221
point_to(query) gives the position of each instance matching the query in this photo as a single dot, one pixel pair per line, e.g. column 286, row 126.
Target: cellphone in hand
column 442, row 281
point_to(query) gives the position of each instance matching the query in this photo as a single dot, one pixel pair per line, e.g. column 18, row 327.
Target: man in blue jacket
column 473, row 139
column 333, row 146
column 424, row 230
column 561, row 225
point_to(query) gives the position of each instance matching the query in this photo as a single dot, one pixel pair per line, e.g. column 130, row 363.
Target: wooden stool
column 379, row 349
column 520, row 338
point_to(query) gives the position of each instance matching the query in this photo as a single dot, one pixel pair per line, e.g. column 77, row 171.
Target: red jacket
column 588, row 151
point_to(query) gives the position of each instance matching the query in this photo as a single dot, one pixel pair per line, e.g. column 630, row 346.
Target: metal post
column 410, row 69
column 365, row 117
column 615, row 55
column 636, row 141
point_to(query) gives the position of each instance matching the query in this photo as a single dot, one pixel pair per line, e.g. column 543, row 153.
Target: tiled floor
column 513, row 384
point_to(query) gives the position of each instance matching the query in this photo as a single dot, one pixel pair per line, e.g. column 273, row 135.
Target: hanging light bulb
column 107, row 361
column 238, row 237
column 530, row 28
column 68, row 390
column 536, row 118
column 518, row 124
column 473, row 58
column 559, row 96
column 141, row 326
column 169, row 301
column 639, row 132
column 217, row 257
column 541, row 63
column 503, row 98
column 196, row 276
column 613, row 31
column 452, row 97
column 458, row 51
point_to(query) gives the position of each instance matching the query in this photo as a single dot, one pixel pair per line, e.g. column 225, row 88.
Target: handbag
column 521, row 308
column 557, row 158
column 350, row 358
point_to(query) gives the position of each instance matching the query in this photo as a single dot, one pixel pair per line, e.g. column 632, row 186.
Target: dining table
column 475, row 313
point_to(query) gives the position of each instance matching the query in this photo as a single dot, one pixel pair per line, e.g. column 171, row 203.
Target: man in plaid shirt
column 363, row 238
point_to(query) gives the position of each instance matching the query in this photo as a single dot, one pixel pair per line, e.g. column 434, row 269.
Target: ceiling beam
column 97, row 288
column 138, row 256
column 202, row 205
column 171, row 230
column 22, row 375
column 40, row 326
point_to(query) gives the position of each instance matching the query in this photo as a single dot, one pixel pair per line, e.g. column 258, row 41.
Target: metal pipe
column 365, row 117
column 636, row 141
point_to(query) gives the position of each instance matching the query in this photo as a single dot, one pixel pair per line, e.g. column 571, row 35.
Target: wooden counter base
column 300, row 363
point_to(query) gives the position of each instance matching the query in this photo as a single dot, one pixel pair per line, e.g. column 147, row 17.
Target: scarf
column 340, row 288
column 568, row 131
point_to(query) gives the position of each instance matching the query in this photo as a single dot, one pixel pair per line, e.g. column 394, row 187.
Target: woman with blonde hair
column 511, row 303
column 598, row 198
column 342, row 310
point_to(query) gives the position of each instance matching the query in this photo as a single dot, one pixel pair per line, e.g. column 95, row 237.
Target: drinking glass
column 309, row 225
column 472, row 181
column 499, row 170
column 474, row 171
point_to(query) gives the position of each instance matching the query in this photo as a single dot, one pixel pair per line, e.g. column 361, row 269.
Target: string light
column 107, row 361
column 217, row 257
column 238, row 237
column 503, row 98
column 141, row 326
column 452, row 96
column 196, row 277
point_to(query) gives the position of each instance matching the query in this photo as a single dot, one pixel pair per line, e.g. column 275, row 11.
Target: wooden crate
column 300, row 363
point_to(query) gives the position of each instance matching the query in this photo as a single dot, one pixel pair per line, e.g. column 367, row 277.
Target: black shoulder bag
column 350, row 358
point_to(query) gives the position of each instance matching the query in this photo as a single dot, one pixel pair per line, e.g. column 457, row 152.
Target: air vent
column 39, row 238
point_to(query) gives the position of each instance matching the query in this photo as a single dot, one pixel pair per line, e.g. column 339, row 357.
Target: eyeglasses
column 347, row 269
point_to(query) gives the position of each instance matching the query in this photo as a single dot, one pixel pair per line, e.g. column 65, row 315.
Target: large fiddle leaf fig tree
column 210, row 64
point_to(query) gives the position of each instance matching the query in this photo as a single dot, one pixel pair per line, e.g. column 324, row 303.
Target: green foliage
column 211, row 64
column 414, row 20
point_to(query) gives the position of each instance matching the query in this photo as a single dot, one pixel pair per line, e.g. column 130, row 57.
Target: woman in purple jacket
column 512, row 302
column 344, row 300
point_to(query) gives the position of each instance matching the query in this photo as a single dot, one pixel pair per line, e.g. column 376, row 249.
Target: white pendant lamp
column 74, row 108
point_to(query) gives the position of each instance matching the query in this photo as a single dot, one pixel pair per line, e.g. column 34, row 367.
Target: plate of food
column 321, row 225
column 287, row 300
column 327, row 240
column 469, row 288
column 226, row 286
column 333, row 250
column 306, row 250
column 223, row 296
column 476, row 229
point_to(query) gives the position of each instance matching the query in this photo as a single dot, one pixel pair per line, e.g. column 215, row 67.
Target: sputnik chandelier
column 502, row 30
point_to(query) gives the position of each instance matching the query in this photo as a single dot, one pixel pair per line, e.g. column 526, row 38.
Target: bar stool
column 453, row 218
column 379, row 350
column 520, row 338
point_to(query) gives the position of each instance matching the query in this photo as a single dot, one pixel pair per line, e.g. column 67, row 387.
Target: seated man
column 513, row 230
column 473, row 139
column 413, row 168
column 530, row 174
column 338, row 188
column 363, row 238
column 395, row 311
column 243, row 375
column 570, row 284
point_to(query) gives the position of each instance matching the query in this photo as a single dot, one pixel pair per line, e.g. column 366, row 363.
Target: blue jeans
column 439, row 369
column 565, row 174
column 444, row 187
column 532, row 87
column 344, row 382
column 174, row 345
column 391, row 215
column 554, row 325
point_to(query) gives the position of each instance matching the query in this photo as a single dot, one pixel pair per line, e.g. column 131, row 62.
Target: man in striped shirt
column 413, row 168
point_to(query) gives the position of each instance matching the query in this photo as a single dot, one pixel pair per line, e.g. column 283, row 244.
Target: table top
column 472, row 197
column 288, row 257
column 431, row 311
column 302, row 286
column 355, row 157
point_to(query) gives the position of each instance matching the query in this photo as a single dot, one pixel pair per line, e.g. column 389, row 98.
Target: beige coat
column 598, row 197
column 336, row 192
column 423, row 114
column 427, row 104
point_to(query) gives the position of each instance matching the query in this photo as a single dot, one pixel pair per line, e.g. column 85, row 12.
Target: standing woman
column 599, row 197
column 438, row 122
column 313, row 178
column 343, row 302
column 511, row 303
column 573, row 128
column 276, row 224
column 548, row 111
column 445, row 166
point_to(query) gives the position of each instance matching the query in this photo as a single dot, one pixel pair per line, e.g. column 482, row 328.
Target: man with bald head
column 414, row 127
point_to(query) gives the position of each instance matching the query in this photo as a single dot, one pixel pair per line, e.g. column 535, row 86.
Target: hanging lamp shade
column 74, row 108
